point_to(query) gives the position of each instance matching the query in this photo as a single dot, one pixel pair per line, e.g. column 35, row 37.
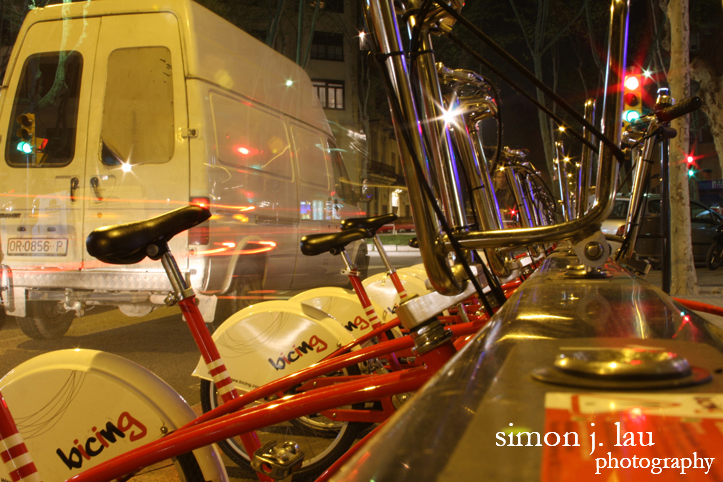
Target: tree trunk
column 684, row 278
column 711, row 91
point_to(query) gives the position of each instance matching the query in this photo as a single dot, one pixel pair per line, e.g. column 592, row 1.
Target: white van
column 119, row 110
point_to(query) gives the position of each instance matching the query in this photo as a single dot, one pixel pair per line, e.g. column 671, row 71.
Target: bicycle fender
column 381, row 290
column 78, row 408
column 417, row 271
column 344, row 306
column 269, row 340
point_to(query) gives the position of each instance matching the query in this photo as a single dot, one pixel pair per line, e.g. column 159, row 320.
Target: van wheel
column 45, row 320
column 238, row 297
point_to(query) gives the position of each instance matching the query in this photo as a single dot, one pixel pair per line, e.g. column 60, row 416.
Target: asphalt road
column 160, row 342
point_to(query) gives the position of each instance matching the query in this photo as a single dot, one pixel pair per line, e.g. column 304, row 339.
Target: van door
column 41, row 208
column 316, row 207
column 137, row 164
column 254, row 192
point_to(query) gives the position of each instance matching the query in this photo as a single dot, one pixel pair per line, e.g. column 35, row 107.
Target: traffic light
column 632, row 98
column 691, row 166
column 26, row 133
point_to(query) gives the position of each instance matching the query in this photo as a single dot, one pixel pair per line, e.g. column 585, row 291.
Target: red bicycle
column 86, row 415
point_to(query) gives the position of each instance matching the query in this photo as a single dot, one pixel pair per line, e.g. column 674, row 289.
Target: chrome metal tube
column 180, row 288
column 467, row 105
column 563, row 180
column 386, row 42
column 513, row 180
column 445, row 178
column 478, row 172
column 521, row 200
column 643, row 166
column 587, row 158
column 383, row 254
column 480, row 160
column 534, row 198
column 611, row 109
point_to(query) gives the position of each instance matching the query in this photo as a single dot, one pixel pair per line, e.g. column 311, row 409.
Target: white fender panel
column 416, row 271
column 381, row 290
column 77, row 408
column 420, row 267
column 269, row 340
column 343, row 305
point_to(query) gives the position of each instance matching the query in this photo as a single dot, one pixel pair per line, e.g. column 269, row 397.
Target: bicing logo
column 359, row 323
column 102, row 439
column 315, row 344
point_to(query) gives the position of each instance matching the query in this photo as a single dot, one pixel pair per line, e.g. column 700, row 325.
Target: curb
column 389, row 248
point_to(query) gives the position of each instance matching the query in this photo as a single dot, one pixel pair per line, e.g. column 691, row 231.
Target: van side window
column 250, row 137
column 47, row 103
column 138, row 125
column 311, row 157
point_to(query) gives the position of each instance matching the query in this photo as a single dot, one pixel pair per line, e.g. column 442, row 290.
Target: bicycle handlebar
column 668, row 132
column 685, row 106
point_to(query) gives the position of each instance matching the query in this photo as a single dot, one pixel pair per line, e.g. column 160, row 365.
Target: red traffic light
column 632, row 82
column 632, row 98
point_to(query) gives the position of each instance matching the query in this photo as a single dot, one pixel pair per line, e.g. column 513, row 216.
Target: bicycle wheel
column 715, row 255
column 183, row 468
column 322, row 440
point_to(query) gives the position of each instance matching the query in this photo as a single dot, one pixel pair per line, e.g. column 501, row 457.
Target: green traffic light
column 631, row 115
column 691, row 172
column 25, row 147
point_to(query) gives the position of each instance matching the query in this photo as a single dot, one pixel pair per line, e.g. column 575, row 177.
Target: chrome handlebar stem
column 386, row 41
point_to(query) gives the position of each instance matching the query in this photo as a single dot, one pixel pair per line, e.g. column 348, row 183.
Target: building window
column 327, row 46
column 331, row 93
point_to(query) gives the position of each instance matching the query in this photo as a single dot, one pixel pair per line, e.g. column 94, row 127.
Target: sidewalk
column 391, row 248
column 710, row 288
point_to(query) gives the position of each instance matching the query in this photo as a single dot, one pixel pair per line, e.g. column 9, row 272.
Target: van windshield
column 43, row 122
column 620, row 209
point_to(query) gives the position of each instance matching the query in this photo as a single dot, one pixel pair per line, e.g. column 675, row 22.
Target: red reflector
column 201, row 201
column 199, row 235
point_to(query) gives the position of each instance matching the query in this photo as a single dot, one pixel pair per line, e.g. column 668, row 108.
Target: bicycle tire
column 714, row 258
column 320, row 441
column 185, row 465
column 188, row 468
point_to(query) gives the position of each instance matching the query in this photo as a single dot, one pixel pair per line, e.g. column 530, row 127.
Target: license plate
column 37, row 246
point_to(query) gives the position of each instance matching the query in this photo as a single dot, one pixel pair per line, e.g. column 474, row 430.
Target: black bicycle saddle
column 314, row 244
column 128, row 243
column 371, row 224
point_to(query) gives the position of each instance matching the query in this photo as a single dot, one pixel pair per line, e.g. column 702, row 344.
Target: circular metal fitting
column 594, row 250
column 400, row 399
column 430, row 336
